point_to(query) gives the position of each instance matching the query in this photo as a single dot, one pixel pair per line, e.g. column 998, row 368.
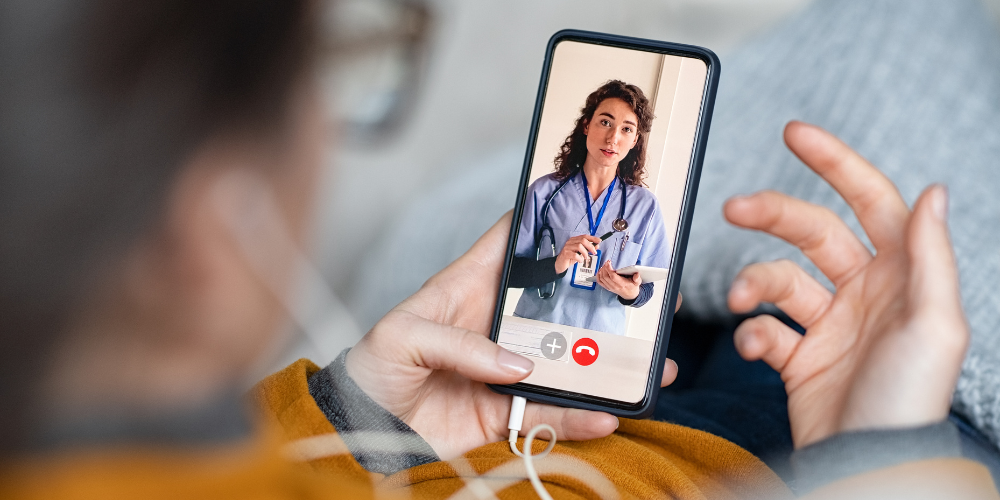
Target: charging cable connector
column 514, row 424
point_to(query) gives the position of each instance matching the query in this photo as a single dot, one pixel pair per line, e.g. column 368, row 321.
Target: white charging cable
column 514, row 424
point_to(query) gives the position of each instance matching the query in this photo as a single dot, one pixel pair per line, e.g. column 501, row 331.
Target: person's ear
column 586, row 127
column 238, row 202
column 249, row 213
column 196, row 285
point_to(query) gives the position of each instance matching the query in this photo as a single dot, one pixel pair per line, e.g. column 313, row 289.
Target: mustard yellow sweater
column 299, row 455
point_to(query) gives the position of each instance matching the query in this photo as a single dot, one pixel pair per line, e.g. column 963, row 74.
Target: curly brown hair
column 573, row 152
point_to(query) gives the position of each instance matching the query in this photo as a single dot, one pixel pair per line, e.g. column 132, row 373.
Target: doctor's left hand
column 427, row 361
column 626, row 287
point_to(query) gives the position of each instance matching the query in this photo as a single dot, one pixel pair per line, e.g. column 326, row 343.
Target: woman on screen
column 591, row 217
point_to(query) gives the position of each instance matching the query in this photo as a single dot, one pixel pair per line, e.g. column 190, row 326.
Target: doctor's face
column 611, row 133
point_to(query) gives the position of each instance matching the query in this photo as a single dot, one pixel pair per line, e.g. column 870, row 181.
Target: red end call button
column 585, row 351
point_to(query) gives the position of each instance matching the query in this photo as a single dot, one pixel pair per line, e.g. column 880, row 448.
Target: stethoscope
column 619, row 225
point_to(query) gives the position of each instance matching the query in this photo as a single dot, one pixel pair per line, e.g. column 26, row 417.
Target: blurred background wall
column 474, row 106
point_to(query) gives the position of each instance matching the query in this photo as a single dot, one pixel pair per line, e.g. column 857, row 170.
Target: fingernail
column 512, row 362
column 745, row 341
column 618, row 423
column 939, row 202
column 741, row 199
column 739, row 287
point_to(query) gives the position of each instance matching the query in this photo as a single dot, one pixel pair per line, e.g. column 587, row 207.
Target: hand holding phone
column 446, row 357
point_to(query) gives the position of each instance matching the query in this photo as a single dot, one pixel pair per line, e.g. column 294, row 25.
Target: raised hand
column 885, row 350
column 428, row 360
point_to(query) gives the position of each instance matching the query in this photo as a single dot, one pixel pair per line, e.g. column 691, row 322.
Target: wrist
column 354, row 414
column 561, row 266
column 852, row 453
column 882, row 406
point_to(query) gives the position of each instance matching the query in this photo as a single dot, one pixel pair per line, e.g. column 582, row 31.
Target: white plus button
column 553, row 346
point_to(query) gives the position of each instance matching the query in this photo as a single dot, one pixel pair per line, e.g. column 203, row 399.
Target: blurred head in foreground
column 137, row 142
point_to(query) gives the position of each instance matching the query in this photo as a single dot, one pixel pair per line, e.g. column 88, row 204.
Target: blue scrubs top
column 648, row 245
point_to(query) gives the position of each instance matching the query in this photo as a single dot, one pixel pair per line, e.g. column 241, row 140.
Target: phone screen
column 611, row 164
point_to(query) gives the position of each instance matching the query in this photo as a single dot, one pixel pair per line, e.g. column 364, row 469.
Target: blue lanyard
column 600, row 215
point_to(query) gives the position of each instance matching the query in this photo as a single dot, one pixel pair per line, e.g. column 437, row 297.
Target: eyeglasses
column 372, row 66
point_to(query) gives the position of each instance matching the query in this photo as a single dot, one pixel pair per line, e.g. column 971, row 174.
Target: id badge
column 584, row 275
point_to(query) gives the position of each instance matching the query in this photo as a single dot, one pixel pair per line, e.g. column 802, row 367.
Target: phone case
column 557, row 397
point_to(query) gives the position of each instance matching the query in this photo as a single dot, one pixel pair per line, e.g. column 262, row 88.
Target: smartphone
column 609, row 182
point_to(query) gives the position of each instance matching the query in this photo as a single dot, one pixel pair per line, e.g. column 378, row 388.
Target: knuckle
column 823, row 231
column 772, row 203
column 471, row 342
column 818, row 238
column 386, row 326
column 783, row 269
column 826, row 213
column 759, row 329
column 391, row 331
column 771, row 195
column 755, row 325
column 870, row 199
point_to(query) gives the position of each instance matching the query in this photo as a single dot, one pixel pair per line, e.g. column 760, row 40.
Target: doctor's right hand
column 575, row 250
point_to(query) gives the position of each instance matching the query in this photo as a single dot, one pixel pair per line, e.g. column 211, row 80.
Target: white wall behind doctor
column 577, row 70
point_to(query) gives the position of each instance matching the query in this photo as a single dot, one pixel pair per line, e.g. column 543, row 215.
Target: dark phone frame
column 645, row 407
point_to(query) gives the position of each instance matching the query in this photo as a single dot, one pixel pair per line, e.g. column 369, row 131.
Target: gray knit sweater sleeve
column 379, row 441
column 853, row 453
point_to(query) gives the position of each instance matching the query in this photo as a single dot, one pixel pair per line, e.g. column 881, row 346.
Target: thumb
column 431, row 345
column 934, row 287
